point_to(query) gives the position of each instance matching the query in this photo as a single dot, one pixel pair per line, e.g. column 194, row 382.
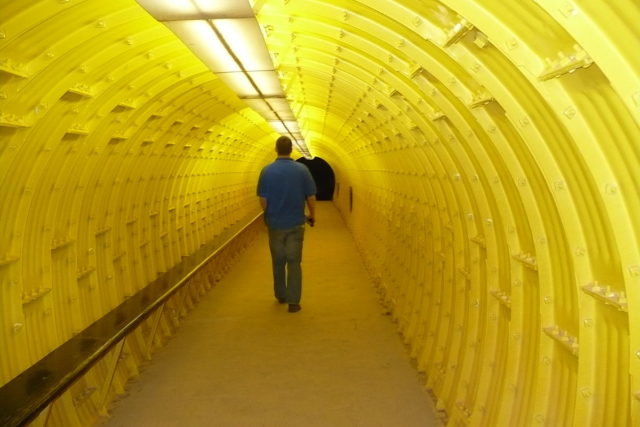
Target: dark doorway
column 322, row 175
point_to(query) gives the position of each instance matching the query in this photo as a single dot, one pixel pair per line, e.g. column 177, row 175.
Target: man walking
column 283, row 187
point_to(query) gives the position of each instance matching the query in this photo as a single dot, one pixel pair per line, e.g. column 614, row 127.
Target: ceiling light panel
column 245, row 39
column 261, row 107
column 268, row 83
column 278, row 126
column 202, row 40
column 172, row 10
column 280, row 105
column 240, row 84
column 292, row 126
column 226, row 36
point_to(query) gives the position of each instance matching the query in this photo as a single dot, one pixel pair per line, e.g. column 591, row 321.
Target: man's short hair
column 283, row 146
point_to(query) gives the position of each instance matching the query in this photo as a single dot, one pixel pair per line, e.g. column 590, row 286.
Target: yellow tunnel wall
column 486, row 158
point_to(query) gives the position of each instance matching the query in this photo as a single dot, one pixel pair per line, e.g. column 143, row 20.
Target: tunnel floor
column 240, row 359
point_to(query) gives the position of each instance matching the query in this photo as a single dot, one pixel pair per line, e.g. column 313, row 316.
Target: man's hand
column 311, row 204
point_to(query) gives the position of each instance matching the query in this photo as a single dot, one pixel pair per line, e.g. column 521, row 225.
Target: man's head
column 283, row 146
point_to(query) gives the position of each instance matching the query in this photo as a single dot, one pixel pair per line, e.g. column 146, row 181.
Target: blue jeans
column 286, row 250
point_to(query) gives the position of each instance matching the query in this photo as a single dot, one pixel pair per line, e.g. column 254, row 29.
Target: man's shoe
column 294, row 307
column 281, row 300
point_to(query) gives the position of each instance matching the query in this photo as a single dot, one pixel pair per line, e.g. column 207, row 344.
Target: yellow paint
column 492, row 149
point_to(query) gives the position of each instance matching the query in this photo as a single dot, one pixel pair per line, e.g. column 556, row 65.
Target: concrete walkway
column 240, row 359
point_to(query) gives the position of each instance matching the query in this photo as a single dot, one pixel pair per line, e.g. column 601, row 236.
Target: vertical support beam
column 102, row 408
column 154, row 330
column 185, row 289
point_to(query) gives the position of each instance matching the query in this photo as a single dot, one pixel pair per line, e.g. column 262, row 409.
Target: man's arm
column 311, row 204
column 263, row 203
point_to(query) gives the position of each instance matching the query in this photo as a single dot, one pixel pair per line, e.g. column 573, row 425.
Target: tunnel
column 486, row 158
column 323, row 177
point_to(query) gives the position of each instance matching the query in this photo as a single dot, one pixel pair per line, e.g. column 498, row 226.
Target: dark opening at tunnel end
column 323, row 176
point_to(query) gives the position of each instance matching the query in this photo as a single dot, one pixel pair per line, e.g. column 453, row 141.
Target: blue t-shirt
column 285, row 184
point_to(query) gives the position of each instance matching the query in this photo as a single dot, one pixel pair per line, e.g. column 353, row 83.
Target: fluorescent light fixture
column 268, row 83
column 279, row 127
column 285, row 127
column 240, row 84
column 203, row 41
column 245, row 38
column 227, row 38
column 281, row 106
column 172, row 10
column 265, row 80
column 271, row 108
column 292, row 126
column 284, row 115
column 261, row 107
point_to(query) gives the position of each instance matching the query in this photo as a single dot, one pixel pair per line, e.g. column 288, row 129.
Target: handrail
column 25, row 396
